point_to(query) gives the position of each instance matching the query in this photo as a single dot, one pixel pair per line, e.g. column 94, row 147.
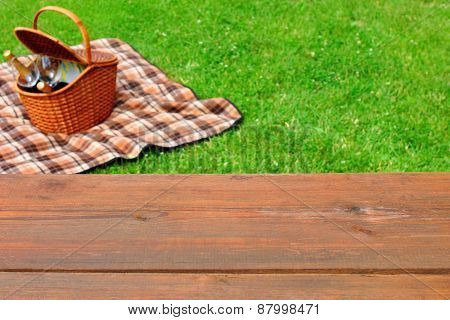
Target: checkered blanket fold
column 150, row 110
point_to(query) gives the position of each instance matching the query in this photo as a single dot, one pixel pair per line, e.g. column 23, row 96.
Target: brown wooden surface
column 223, row 286
column 357, row 236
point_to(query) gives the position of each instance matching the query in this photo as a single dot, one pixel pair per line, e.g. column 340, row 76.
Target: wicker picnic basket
column 83, row 103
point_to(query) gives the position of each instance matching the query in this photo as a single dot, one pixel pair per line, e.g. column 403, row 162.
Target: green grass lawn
column 324, row 86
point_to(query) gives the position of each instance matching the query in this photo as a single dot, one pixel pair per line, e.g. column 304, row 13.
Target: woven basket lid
column 42, row 43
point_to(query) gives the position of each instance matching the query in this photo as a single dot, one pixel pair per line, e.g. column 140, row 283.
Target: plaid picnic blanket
column 150, row 110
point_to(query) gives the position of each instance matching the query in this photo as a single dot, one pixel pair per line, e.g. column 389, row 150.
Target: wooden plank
column 371, row 193
column 29, row 193
column 374, row 223
column 221, row 286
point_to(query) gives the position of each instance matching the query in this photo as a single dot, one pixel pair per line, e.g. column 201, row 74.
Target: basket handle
column 74, row 18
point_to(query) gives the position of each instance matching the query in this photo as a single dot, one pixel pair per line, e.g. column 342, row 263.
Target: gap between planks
column 443, row 271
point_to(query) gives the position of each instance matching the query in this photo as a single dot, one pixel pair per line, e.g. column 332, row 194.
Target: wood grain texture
column 221, row 286
column 299, row 226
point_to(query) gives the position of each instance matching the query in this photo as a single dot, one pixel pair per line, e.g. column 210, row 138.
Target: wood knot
column 53, row 185
column 354, row 209
column 363, row 230
column 145, row 216
column 222, row 279
column 238, row 177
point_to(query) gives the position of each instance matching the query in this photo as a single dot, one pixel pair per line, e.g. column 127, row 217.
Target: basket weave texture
column 86, row 101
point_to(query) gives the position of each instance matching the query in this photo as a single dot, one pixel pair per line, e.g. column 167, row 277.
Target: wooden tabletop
column 329, row 236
